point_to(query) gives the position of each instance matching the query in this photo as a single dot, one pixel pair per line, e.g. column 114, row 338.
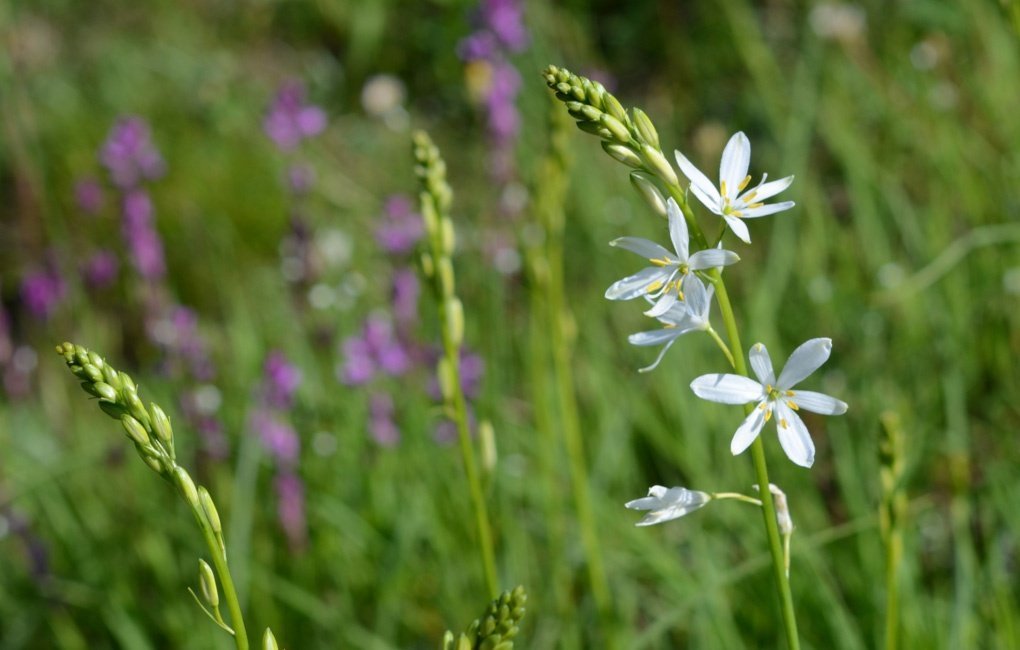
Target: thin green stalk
column 219, row 561
column 437, row 264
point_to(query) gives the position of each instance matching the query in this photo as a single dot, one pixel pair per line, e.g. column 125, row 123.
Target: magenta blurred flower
column 88, row 195
column 504, row 121
column 406, row 291
column 500, row 25
column 300, row 178
column 100, row 269
column 42, row 292
column 143, row 242
column 400, row 227
column 290, row 509
column 472, row 369
column 129, row 154
column 278, row 437
column 376, row 349
column 282, row 379
column 290, row 120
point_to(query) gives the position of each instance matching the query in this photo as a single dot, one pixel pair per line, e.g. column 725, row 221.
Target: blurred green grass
column 903, row 140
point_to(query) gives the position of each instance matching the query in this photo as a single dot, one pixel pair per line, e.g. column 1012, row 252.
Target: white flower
column 666, row 504
column 775, row 395
column 663, row 279
column 727, row 201
column 682, row 317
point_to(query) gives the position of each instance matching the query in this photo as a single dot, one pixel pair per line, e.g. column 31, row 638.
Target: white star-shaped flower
column 662, row 281
column 666, row 504
column 730, row 201
column 691, row 315
column 775, row 396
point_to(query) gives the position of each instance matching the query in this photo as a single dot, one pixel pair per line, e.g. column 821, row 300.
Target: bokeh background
column 218, row 197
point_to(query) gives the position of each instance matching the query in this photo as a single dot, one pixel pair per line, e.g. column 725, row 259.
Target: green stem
column 722, row 346
column 736, row 358
column 219, row 560
column 561, row 346
column 470, row 466
column 893, row 554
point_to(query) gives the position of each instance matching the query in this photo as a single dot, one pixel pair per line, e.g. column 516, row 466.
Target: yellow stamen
column 744, row 183
column 660, row 262
column 722, row 188
column 783, row 423
column 792, row 405
column 755, row 205
column 750, row 195
column 768, row 414
column 655, row 286
column 789, row 393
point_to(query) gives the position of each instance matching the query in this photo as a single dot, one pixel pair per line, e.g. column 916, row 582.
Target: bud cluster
column 497, row 627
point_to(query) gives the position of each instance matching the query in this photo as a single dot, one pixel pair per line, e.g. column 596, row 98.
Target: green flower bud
column 114, row 410
column 127, row 385
column 455, row 320
column 96, row 360
column 595, row 128
column 427, row 267
column 449, row 237
column 269, row 641
column 136, row 431
column 153, row 463
column 649, row 192
column 446, row 283
column 92, row 373
column 186, row 486
column 622, row 153
column 487, row 440
column 447, row 384
column 614, row 108
column 592, row 93
column 657, row 163
column 645, row 128
column 111, row 376
column 136, row 408
column 101, row 390
column 207, row 583
column 616, row 127
column 161, row 425
column 209, row 508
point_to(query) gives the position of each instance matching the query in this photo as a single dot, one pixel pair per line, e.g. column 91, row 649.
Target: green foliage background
column 902, row 249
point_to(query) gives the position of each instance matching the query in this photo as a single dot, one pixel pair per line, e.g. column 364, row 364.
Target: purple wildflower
column 375, row 350
column 406, row 290
column 384, row 430
column 281, row 381
column 100, row 269
column 42, row 291
column 472, row 368
column 88, row 195
column 290, row 120
column 401, row 227
column 290, row 508
column 129, row 154
column 143, row 242
column 300, row 178
column 279, row 438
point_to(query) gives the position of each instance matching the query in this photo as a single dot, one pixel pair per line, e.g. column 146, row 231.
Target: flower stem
column 219, row 560
column 722, row 346
column 737, row 496
column 736, row 358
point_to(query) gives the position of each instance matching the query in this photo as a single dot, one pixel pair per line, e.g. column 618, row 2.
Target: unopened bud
column 153, row 463
column 126, row 383
column 613, row 107
column 136, row 408
column 595, row 128
column 645, row 128
column 427, row 267
column 593, row 93
column 207, row 583
column 455, row 320
column 91, row 372
column 101, row 390
column 186, row 486
column 428, row 213
column 96, row 360
column 269, row 641
column 447, row 384
column 114, row 410
column 211, row 514
column 161, row 425
column 446, row 283
column 622, row 153
column 449, row 237
column 136, row 431
column 657, row 164
column 616, row 127
column 649, row 192
column 487, row 438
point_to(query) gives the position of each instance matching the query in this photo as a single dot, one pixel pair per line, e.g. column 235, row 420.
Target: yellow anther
column 783, row 423
column 743, row 183
column 655, row 286
column 660, row 262
column 792, row 405
column 722, row 188
column 755, row 205
column 768, row 414
column 789, row 393
column 750, row 195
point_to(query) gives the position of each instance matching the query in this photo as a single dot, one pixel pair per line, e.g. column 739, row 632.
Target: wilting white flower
column 662, row 281
column 731, row 201
column 775, row 395
column 691, row 315
column 666, row 504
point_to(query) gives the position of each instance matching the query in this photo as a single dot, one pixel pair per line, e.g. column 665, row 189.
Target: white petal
column 818, row 402
column 761, row 363
column 735, row 159
column 677, row 230
column 727, row 389
column 654, row 337
column 794, row 436
column 766, row 210
column 643, row 247
column 767, row 190
column 635, row 285
column 662, row 353
column 747, row 431
column 739, row 228
column 711, row 258
column 657, row 491
column 805, row 360
column 662, row 305
column 695, row 295
column 703, row 188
